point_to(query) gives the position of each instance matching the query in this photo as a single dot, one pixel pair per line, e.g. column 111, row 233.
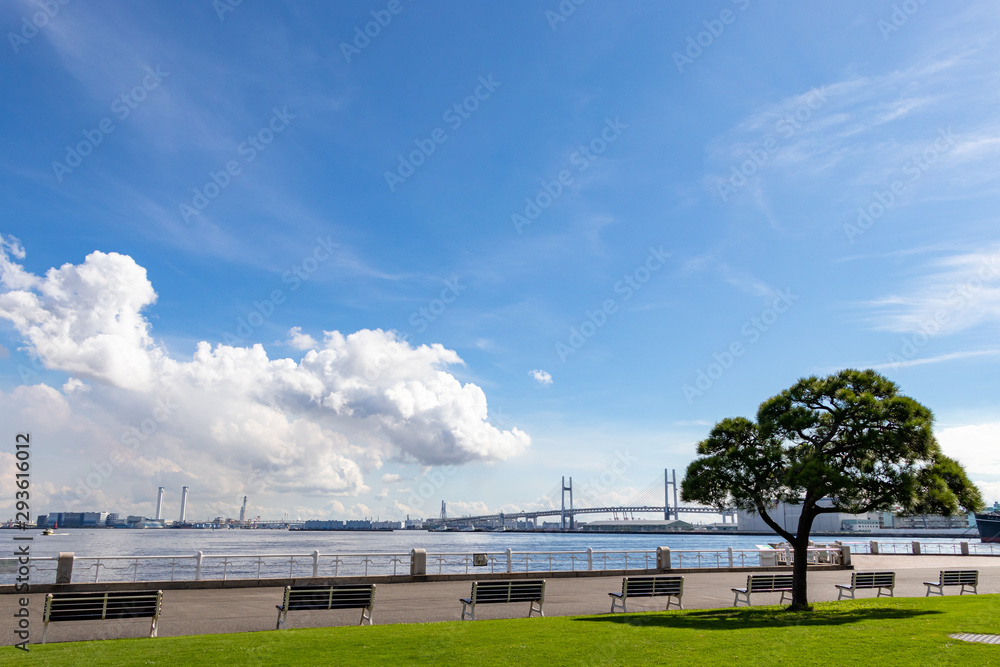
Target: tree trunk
column 800, row 599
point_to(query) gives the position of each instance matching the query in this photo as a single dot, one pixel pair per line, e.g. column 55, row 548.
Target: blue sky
column 482, row 246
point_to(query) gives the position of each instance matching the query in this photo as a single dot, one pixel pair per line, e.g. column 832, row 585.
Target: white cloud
column 974, row 446
column 540, row 376
column 459, row 508
column 230, row 418
column 300, row 341
column 390, row 478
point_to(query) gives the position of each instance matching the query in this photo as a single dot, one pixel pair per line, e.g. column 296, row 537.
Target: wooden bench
column 763, row 583
column 531, row 591
column 109, row 605
column 963, row 578
column 647, row 587
column 313, row 598
column 860, row 580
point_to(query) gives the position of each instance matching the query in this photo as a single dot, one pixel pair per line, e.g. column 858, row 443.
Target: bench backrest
column 873, row 579
column 762, row 583
column 345, row 596
column 956, row 577
column 528, row 590
column 648, row 586
column 101, row 606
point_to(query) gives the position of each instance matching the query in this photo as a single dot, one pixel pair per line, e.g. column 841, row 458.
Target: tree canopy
column 850, row 439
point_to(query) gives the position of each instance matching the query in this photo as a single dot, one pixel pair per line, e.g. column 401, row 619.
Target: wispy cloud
column 957, row 292
column 941, row 358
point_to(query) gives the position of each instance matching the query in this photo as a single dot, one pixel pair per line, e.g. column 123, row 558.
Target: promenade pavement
column 188, row 612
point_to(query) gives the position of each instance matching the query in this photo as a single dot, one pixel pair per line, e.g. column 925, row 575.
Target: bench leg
column 532, row 609
column 671, row 600
column 152, row 628
column 783, row 594
column 617, row 601
column 468, row 610
column 45, row 631
column 844, row 593
column 971, row 587
column 746, row 600
column 889, row 594
column 281, row 618
column 940, row 589
column 366, row 615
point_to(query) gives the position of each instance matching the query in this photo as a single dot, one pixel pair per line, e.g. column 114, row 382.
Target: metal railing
column 201, row 566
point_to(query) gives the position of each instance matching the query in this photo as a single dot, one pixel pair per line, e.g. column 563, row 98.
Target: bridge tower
column 670, row 480
column 562, row 514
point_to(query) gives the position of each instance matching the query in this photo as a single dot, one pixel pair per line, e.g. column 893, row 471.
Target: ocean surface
column 167, row 554
column 171, row 542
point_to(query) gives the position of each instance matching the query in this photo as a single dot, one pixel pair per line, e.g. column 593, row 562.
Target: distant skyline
column 354, row 259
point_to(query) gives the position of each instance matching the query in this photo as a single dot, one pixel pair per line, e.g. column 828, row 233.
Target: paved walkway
column 188, row 612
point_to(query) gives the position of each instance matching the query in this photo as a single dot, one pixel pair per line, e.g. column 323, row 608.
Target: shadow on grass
column 742, row 619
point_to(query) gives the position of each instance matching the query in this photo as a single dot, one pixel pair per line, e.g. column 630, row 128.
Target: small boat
column 50, row 531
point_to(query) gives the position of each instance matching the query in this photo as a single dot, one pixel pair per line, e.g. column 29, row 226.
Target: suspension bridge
column 646, row 501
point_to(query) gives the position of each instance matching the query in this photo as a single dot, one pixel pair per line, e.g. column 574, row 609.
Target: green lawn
column 886, row 632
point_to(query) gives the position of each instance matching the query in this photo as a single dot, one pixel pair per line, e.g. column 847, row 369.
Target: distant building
column 323, row 525
column 860, row 525
column 637, row 526
column 73, row 519
column 114, row 520
column 932, row 522
column 787, row 516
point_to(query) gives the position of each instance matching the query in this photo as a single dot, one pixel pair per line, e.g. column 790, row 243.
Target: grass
column 887, row 631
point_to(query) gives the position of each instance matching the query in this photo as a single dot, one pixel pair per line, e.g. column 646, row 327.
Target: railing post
column 197, row 566
column 662, row 558
column 510, row 560
column 418, row 562
column 316, row 563
column 873, row 548
column 590, row 558
column 730, row 550
column 916, row 548
column 845, row 554
column 64, row 567
column 965, row 548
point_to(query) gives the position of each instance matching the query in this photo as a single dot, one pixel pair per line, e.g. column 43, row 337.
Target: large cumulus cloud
column 231, row 415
